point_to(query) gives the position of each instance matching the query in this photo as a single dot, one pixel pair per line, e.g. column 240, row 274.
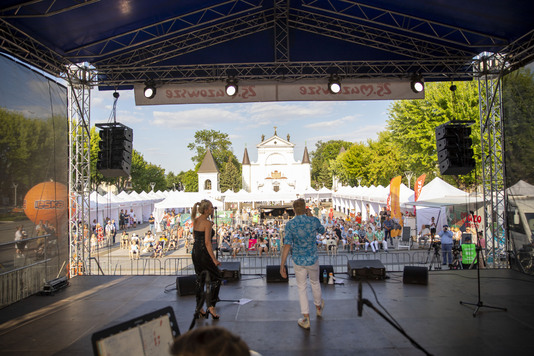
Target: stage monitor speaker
column 273, row 274
column 329, row 269
column 230, row 271
column 186, row 285
column 366, row 269
column 415, row 275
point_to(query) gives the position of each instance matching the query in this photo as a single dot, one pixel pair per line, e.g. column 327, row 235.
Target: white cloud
column 339, row 123
column 196, row 118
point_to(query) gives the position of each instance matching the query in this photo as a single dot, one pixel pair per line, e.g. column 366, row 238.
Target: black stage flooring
column 62, row 324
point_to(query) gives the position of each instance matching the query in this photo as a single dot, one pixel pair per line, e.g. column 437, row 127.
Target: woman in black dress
column 203, row 257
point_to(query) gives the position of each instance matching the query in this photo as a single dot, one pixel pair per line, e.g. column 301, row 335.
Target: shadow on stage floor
column 62, row 324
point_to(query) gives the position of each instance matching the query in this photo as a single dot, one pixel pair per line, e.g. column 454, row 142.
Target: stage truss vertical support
column 80, row 79
column 489, row 67
column 281, row 31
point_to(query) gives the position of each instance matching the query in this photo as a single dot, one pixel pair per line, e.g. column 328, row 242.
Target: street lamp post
column 409, row 175
column 152, row 185
column 15, row 186
column 359, row 179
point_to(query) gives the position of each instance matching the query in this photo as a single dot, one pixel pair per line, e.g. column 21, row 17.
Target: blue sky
column 162, row 132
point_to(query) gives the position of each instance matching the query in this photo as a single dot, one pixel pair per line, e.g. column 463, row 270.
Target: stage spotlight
column 334, row 85
column 150, row 90
column 417, row 84
column 231, row 87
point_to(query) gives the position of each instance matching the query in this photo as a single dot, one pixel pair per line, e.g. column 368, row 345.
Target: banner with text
column 396, row 215
column 302, row 90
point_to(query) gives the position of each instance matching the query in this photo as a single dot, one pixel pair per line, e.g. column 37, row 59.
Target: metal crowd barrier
column 254, row 265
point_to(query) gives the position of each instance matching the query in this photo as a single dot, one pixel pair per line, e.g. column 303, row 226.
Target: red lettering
column 346, row 91
column 355, row 91
column 302, row 90
column 312, row 90
column 212, row 93
column 193, row 94
column 203, row 92
column 387, row 91
column 251, row 89
column 168, row 93
column 366, row 90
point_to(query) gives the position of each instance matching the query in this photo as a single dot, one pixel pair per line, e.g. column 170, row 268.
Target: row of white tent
column 434, row 198
column 433, row 201
column 145, row 203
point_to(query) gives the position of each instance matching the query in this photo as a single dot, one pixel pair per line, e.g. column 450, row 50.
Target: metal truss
column 46, row 8
column 80, row 80
column 281, row 31
column 25, row 48
column 376, row 16
column 152, row 35
column 432, row 69
column 190, row 41
column 381, row 39
column 489, row 70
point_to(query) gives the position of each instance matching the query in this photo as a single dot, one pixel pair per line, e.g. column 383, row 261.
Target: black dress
column 203, row 262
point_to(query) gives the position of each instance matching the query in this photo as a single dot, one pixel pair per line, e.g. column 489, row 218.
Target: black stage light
column 231, row 87
column 334, row 85
column 150, row 90
column 417, row 84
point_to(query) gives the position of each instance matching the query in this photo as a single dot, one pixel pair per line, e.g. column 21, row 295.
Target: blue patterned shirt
column 300, row 233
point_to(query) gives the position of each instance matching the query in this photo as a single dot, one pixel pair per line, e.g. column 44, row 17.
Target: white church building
column 276, row 169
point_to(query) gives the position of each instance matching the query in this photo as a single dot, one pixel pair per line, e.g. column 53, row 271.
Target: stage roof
column 130, row 41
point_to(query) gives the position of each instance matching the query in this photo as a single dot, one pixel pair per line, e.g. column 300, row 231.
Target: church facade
column 276, row 169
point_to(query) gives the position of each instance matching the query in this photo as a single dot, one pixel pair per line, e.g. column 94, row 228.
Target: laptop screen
column 149, row 334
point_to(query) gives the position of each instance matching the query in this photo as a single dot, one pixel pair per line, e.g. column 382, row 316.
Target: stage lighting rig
column 231, row 87
column 417, row 83
column 334, row 84
column 150, row 90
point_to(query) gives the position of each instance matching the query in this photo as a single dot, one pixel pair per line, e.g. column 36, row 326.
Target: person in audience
column 262, row 246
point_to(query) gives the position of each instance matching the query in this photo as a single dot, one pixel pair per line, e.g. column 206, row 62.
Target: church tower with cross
column 276, row 169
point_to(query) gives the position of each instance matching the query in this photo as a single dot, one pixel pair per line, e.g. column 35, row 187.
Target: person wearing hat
column 445, row 236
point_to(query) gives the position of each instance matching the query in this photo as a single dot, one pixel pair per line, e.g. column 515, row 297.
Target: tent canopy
column 129, row 42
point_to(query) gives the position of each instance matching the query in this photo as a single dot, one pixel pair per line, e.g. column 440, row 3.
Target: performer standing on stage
column 203, row 257
column 300, row 236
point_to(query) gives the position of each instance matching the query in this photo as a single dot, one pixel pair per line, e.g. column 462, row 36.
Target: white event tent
column 434, row 199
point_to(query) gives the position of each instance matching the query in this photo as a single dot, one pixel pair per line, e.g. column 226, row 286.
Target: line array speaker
column 455, row 154
column 115, row 155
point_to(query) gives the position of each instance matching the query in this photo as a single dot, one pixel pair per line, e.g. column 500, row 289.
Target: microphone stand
column 479, row 304
column 364, row 301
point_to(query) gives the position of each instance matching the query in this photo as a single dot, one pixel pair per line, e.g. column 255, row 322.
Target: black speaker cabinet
column 230, row 271
column 273, row 274
column 329, row 269
column 415, row 275
column 186, row 285
column 366, row 269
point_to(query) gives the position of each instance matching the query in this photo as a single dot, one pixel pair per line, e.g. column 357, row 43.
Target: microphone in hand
column 360, row 301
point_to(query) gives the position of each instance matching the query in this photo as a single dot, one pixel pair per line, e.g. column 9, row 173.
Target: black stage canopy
column 130, row 42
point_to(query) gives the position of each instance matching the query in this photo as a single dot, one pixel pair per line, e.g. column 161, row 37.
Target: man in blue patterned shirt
column 300, row 236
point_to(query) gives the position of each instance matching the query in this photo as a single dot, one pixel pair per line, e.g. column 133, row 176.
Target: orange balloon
column 46, row 201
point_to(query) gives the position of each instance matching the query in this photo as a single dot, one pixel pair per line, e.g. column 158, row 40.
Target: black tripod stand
column 479, row 304
column 436, row 257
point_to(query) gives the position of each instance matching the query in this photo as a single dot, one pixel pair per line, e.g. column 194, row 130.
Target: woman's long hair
column 200, row 207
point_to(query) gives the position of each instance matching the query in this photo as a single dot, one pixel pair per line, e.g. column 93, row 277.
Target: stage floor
column 62, row 324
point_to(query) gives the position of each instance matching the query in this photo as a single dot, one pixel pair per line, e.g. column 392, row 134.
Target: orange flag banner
column 394, row 192
column 419, row 185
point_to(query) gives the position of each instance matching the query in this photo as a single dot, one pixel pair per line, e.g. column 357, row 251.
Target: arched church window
column 207, row 184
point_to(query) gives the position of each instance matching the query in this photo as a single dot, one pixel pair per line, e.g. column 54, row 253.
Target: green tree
column 189, row 180
column 353, row 164
column 32, row 151
column 325, row 152
column 217, row 142
column 518, row 103
column 143, row 173
column 230, row 178
column 413, row 123
column 385, row 160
